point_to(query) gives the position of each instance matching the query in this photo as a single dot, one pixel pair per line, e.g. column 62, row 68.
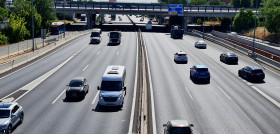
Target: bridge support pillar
column 93, row 16
column 102, row 18
column 161, row 19
column 89, row 21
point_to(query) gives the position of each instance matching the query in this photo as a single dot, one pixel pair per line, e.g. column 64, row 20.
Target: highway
column 45, row 107
column 227, row 105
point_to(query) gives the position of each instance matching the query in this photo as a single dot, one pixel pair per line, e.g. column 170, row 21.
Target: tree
column 3, row 39
column 177, row 1
column 245, row 3
column 4, row 13
column 3, row 3
column 271, row 12
column 235, row 3
column 214, row 2
column 254, row 3
column 244, row 20
column 198, row 2
column 225, row 22
column 17, row 30
column 23, row 9
column 47, row 12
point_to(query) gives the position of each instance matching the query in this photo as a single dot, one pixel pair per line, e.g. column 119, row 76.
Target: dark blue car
column 251, row 73
column 200, row 72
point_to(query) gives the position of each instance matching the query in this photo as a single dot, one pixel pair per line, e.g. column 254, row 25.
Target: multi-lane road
column 227, row 105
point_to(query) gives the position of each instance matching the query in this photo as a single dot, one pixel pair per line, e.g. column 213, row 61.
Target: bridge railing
column 134, row 6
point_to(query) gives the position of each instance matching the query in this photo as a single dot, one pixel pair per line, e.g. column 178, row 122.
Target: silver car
column 200, row 44
column 11, row 114
column 181, row 57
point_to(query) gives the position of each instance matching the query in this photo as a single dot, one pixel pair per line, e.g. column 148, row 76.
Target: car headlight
column 119, row 97
column 101, row 98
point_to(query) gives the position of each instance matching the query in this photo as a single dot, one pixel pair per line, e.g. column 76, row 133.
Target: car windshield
column 257, row 71
column 111, row 85
column 76, row 83
column 202, row 69
column 55, row 29
column 4, row 113
column 180, row 130
column 232, row 54
column 94, row 34
column 114, row 35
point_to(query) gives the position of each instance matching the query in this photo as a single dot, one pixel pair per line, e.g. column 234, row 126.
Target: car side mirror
column 164, row 125
column 191, row 125
column 98, row 88
column 190, row 68
column 67, row 85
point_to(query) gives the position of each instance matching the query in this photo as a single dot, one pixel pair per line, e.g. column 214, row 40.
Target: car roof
column 181, row 52
column 179, row 123
column 96, row 30
column 201, row 41
column 230, row 53
column 7, row 105
column 78, row 78
column 201, row 66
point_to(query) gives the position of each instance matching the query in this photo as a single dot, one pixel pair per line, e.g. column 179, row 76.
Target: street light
column 253, row 48
column 33, row 46
column 187, row 18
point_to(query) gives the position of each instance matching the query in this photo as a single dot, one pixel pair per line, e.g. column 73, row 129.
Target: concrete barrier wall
column 221, row 41
column 248, row 42
column 26, row 58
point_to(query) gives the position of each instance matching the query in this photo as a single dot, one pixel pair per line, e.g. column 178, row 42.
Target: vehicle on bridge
column 11, row 115
column 178, row 127
column 57, row 28
column 177, row 33
column 113, row 86
column 115, row 37
column 95, row 36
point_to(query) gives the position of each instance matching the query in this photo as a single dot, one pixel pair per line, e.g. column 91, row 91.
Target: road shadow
column 71, row 100
column 106, row 109
column 200, row 82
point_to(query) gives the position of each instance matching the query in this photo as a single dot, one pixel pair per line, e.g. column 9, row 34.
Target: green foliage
column 214, row 2
column 46, row 10
column 198, row 2
column 2, row 3
column 245, row 3
column 254, row 3
column 235, row 3
column 271, row 12
column 225, row 22
column 244, row 20
column 4, row 13
column 3, row 39
column 198, row 21
column 223, row 4
column 177, row 1
column 23, row 8
column 17, row 30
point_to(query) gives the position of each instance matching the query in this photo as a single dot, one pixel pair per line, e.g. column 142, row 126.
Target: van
column 115, row 37
column 113, row 87
column 95, row 36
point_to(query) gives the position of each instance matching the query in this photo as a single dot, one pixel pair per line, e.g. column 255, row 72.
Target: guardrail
column 237, row 48
column 139, row 6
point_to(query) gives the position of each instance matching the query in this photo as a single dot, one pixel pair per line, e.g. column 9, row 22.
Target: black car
column 251, row 73
column 77, row 88
column 178, row 127
column 229, row 57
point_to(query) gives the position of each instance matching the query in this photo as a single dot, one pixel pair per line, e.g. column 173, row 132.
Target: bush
column 244, row 21
column 3, row 39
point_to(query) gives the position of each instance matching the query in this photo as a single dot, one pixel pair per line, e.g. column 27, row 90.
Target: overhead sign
column 175, row 9
column 43, row 33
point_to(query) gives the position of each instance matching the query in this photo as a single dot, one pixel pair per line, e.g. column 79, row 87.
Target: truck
column 177, row 33
column 115, row 37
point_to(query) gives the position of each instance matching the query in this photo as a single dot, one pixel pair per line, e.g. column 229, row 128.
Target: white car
column 200, row 44
column 233, row 34
column 181, row 57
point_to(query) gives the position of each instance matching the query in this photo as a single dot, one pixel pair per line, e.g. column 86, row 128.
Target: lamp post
column 33, row 46
column 253, row 47
column 187, row 18
column 64, row 21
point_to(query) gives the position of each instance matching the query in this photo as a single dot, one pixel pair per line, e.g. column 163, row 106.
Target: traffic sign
column 175, row 9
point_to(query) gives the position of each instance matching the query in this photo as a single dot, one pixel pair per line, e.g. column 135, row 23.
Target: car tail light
column 186, row 56
column 252, row 74
column 178, row 57
column 195, row 72
column 208, row 72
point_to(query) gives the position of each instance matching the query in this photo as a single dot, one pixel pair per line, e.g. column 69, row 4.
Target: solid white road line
column 85, row 68
column 152, row 94
column 267, row 97
column 134, row 92
column 95, row 97
column 224, row 93
column 98, row 53
column 189, row 93
column 58, row 96
column 30, row 86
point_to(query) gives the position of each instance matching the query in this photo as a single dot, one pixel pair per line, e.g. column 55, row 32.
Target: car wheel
column 225, row 61
column 239, row 74
column 9, row 130
column 21, row 118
